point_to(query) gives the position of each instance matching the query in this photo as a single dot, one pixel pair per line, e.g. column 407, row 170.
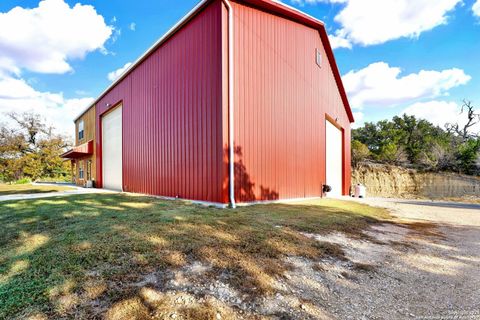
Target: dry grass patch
column 103, row 246
column 424, row 229
column 364, row 267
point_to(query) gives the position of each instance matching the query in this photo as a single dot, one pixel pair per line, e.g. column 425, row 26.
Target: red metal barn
column 242, row 94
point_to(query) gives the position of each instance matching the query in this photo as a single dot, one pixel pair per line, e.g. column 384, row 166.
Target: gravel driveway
column 426, row 272
column 453, row 214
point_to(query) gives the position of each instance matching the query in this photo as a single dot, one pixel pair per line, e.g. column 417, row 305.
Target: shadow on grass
column 80, row 255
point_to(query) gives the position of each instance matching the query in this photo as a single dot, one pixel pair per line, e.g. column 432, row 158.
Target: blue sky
column 415, row 56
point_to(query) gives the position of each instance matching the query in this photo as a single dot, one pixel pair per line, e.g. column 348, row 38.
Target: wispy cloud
column 16, row 95
column 112, row 76
column 476, row 8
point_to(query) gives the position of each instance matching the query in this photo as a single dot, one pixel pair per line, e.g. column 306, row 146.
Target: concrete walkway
column 76, row 191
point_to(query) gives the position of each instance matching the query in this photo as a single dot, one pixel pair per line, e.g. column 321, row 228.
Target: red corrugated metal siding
column 173, row 138
column 281, row 100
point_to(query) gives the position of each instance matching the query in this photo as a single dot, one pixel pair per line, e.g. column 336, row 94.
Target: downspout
column 231, row 151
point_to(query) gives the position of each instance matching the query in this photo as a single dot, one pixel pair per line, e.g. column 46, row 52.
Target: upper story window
column 81, row 131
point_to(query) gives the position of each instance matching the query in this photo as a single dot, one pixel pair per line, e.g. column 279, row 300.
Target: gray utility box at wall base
column 360, row 191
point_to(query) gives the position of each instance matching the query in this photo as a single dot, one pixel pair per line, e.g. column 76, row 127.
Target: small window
column 80, row 130
column 81, row 172
column 318, row 57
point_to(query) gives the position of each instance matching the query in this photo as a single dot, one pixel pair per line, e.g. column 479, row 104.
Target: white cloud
column 339, row 42
column 370, row 22
column 44, row 39
column 476, row 8
column 438, row 113
column 381, row 85
column 116, row 34
column 16, row 95
column 112, row 76
column 132, row 26
column 81, row 92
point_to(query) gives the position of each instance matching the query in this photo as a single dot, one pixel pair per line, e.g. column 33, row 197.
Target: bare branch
column 473, row 118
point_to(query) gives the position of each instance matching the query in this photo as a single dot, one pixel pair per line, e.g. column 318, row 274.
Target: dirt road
column 422, row 273
column 445, row 213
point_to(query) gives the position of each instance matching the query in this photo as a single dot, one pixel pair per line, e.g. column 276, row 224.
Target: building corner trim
column 231, row 132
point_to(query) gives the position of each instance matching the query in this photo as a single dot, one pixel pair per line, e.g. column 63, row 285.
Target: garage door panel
column 334, row 159
column 112, row 150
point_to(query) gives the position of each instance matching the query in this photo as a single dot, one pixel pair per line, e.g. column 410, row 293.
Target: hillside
column 394, row 181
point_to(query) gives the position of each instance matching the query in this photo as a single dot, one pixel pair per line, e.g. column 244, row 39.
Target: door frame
column 101, row 117
column 335, row 123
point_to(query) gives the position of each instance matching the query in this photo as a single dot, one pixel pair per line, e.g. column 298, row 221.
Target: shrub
column 23, row 181
column 360, row 152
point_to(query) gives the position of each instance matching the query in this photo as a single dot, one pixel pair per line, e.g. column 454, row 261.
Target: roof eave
column 336, row 73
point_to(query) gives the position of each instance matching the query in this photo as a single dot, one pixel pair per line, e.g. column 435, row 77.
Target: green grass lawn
column 58, row 255
column 9, row 189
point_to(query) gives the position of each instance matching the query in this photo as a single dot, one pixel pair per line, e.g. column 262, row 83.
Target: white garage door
column 334, row 144
column 112, row 150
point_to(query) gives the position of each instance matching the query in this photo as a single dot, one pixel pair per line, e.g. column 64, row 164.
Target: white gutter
column 282, row 4
column 231, row 132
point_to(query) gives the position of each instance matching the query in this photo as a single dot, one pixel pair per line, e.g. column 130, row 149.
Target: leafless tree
column 473, row 118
